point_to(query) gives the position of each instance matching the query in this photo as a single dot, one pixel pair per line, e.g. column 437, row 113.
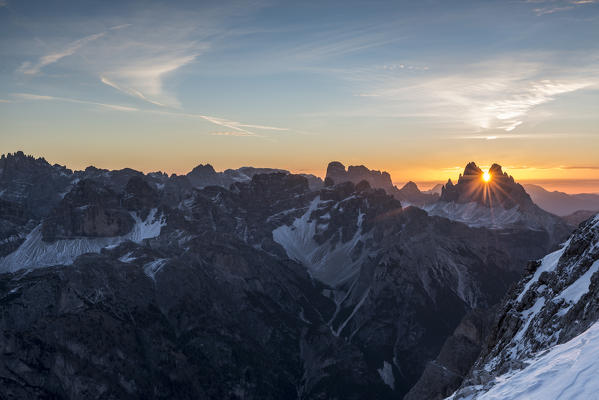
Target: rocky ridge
column 550, row 307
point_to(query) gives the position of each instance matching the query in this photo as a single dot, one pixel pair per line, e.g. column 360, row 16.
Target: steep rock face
column 88, row 210
column 13, row 226
column 443, row 375
column 554, row 304
column 140, row 195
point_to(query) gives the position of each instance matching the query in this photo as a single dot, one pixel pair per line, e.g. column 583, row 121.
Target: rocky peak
column 410, row 188
column 472, row 169
column 410, row 194
column 32, row 182
column 336, row 172
column 357, row 173
column 203, row 170
column 501, row 191
column 19, row 162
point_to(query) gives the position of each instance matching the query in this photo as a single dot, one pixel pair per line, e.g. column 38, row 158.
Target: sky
column 416, row 88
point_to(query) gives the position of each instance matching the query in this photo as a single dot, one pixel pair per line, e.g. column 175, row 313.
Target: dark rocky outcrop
column 444, row 375
column 88, row 210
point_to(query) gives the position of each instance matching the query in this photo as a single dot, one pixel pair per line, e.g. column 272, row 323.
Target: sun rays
column 486, row 177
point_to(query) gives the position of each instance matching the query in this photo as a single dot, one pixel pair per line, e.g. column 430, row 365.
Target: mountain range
column 560, row 203
column 258, row 283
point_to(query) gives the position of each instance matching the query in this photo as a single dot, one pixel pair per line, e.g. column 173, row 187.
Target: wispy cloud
column 5, row 101
column 29, row 68
column 579, row 167
column 129, row 91
column 337, row 43
column 35, row 97
column 143, row 77
column 238, row 128
column 491, row 95
column 555, row 6
column 3, row 3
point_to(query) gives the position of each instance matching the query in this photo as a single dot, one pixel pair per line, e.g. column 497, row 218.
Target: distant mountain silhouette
column 561, row 203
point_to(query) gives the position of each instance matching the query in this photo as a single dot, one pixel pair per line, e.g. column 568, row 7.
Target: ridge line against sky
column 392, row 85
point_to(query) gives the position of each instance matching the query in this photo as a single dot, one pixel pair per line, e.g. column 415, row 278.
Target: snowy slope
column 35, row 253
column 566, row 371
column 546, row 343
column 475, row 215
column 331, row 263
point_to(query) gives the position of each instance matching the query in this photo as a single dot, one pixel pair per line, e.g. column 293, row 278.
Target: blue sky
column 414, row 87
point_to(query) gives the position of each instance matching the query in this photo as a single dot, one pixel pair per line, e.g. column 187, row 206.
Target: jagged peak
column 496, row 169
column 20, row 155
column 502, row 190
column 203, row 169
column 472, row 169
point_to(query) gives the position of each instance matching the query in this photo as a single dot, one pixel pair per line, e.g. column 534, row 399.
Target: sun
column 487, row 177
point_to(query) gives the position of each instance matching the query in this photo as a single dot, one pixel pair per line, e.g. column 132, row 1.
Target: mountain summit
column 501, row 190
column 498, row 203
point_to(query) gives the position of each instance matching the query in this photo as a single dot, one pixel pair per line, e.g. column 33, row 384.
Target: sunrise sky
column 417, row 88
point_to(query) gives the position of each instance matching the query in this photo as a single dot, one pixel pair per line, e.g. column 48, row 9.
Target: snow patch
column 327, row 262
column 475, row 215
column 548, row 263
column 386, row 374
column 152, row 268
column 35, row 253
column 579, row 288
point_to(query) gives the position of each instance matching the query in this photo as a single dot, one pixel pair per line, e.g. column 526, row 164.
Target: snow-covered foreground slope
column 566, row 371
column 546, row 343
column 35, row 253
